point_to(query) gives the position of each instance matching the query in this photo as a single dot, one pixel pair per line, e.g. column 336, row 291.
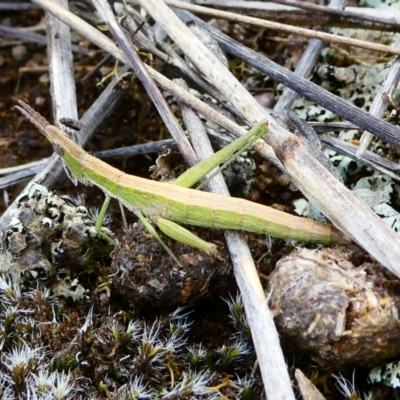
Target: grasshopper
column 169, row 204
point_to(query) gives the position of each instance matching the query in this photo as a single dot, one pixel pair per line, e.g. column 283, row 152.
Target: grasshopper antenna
column 33, row 116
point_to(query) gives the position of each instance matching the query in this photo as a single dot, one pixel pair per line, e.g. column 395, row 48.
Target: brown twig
column 265, row 335
column 348, row 213
column 306, row 88
column 327, row 37
column 154, row 93
column 304, row 67
column 380, row 103
column 331, row 11
column 297, row 17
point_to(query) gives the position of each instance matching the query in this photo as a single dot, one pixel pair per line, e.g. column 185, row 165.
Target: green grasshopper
column 169, row 204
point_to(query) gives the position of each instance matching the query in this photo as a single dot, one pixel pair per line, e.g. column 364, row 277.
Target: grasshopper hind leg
column 141, row 217
column 151, row 229
column 181, row 234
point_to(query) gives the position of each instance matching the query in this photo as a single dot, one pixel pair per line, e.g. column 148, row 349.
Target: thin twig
column 321, row 127
column 304, row 66
column 99, row 111
column 328, row 37
column 154, row 93
column 309, row 90
column 293, row 16
column 18, row 168
column 370, row 159
column 61, row 68
column 137, row 149
column 312, row 142
column 330, row 11
column 19, row 176
column 17, row 6
column 265, row 335
column 30, row 37
column 337, row 202
column 380, row 102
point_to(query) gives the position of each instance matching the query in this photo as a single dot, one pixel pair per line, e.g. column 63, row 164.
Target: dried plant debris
column 355, row 75
column 164, row 169
column 341, row 313
column 48, row 232
column 144, row 274
column 206, row 38
column 307, row 388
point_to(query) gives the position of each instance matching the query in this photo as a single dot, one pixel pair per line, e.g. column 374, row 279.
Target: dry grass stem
column 264, row 333
column 152, row 89
column 294, row 16
column 327, row 37
column 336, row 201
column 282, row 148
column 307, row 388
column 380, row 103
column 304, row 67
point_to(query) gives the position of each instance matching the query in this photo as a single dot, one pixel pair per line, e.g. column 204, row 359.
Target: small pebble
column 39, row 101
column 44, row 79
column 18, row 52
